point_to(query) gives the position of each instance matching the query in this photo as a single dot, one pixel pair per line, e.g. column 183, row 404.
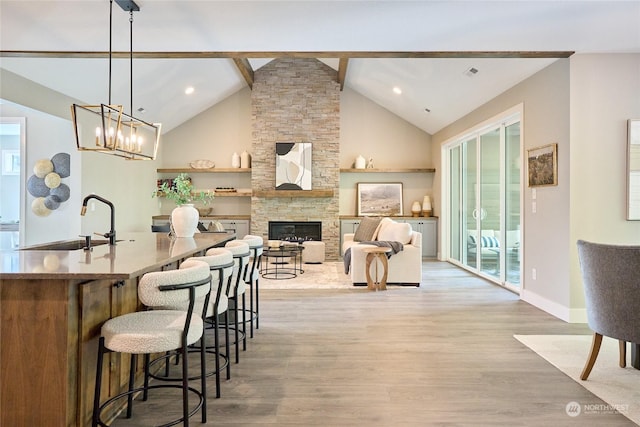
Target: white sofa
column 405, row 267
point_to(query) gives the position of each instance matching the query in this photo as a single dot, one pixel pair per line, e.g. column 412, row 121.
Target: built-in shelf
column 207, row 170
column 398, row 170
column 241, row 192
column 294, row 193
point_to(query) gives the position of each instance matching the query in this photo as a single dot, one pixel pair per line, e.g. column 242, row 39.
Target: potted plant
column 184, row 218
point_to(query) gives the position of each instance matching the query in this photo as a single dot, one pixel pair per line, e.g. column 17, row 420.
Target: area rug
column 619, row 387
column 328, row 275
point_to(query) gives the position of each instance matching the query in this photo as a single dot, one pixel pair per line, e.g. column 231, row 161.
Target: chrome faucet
column 112, row 233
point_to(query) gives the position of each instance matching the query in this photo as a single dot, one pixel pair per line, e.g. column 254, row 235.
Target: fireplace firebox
column 295, row 231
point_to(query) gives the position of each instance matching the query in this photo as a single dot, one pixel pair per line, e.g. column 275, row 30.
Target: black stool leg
column 96, row 396
column 132, row 375
column 226, row 342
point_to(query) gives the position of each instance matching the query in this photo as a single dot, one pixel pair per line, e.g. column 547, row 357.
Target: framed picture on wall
column 542, row 165
column 379, row 199
column 293, row 166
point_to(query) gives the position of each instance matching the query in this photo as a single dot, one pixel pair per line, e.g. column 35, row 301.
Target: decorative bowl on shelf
column 204, row 211
column 202, row 164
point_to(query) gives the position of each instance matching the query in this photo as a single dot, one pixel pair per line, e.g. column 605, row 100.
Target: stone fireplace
column 297, row 100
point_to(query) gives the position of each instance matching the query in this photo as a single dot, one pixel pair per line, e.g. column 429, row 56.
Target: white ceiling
column 308, row 26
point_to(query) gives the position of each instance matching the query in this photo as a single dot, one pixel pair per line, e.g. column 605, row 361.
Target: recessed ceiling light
column 427, row 110
column 141, row 110
column 189, row 90
column 397, row 90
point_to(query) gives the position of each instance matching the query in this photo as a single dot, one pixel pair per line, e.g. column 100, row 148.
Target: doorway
column 483, row 188
column 12, row 143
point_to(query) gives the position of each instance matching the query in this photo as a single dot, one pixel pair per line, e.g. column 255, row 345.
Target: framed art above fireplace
column 293, row 166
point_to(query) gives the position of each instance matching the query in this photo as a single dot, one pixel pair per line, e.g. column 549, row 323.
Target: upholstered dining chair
column 611, row 280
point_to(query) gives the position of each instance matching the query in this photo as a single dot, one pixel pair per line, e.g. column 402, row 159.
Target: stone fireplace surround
column 296, row 100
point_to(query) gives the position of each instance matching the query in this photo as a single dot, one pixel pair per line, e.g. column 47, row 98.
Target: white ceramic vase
column 235, row 160
column 245, row 160
column 184, row 220
column 360, row 162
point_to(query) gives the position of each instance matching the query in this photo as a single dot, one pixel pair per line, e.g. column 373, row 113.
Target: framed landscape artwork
column 542, row 165
column 379, row 199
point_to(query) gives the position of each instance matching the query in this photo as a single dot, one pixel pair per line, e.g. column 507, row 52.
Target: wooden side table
column 373, row 255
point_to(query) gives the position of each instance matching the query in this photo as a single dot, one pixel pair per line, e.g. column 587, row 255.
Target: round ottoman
column 313, row 252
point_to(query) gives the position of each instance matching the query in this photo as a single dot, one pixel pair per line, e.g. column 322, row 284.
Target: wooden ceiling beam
column 286, row 54
column 342, row 72
column 245, row 69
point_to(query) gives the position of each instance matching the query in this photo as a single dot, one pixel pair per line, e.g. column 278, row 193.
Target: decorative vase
column 184, row 220
column 360, row 162
column 245, row 160
column 426, row 206
column 235, row 160
column 415, row 209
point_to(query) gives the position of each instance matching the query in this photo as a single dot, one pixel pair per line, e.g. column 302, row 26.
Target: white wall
column 127, row 184
column 605, row 93
column 582, row 103
column 545, row 96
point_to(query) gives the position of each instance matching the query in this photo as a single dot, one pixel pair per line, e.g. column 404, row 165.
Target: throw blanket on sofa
column 395, row 248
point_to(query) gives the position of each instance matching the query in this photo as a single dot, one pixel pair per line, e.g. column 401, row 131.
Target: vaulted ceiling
column 424, row 48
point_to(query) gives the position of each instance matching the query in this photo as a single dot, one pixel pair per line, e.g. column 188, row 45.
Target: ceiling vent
column 471, row 72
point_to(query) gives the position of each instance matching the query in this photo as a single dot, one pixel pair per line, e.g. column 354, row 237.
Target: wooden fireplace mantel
column 294, row 193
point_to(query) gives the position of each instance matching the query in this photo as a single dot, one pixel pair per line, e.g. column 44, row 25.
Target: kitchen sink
column 67, row 245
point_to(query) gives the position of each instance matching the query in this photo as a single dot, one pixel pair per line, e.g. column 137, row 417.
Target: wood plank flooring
column 439, row 355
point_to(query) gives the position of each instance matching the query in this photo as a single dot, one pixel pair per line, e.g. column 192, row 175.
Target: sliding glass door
column 484, row 202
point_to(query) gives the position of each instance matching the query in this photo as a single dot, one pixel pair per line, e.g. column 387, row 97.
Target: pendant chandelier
column 106, row 128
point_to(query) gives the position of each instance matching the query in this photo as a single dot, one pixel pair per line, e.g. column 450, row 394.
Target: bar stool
column 220, row 262
column 252, row 275
column 237, row 288
column 159, row 331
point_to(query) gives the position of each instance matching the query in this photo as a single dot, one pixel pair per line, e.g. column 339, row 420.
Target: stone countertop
column 133, row 255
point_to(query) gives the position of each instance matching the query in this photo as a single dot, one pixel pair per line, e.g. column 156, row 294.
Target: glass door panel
column 489, row 207
column 512, row 250
column 455, row 208
column 469, row 200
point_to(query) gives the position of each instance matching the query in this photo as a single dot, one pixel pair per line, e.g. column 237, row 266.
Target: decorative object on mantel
column 245, row 160
column 427, row 210
column 370, row 163
column 360, row 162
column 293, row 166
column 184, row 218
column 416, row 208
column 202, row 164
column 46, row 184
column 235, row 160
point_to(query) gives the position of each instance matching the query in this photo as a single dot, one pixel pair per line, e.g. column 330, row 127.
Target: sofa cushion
column 366, row 229
column 395, row 232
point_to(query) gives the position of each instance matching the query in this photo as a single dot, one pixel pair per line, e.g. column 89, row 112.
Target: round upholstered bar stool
column 237, row 288
column 252, row 276
column 160, row 331
column 221, row 264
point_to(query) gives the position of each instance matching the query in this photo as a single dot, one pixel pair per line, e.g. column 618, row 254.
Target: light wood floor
column 439, row 355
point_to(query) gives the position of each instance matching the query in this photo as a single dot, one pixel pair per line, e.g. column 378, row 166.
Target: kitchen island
column 53, row 304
